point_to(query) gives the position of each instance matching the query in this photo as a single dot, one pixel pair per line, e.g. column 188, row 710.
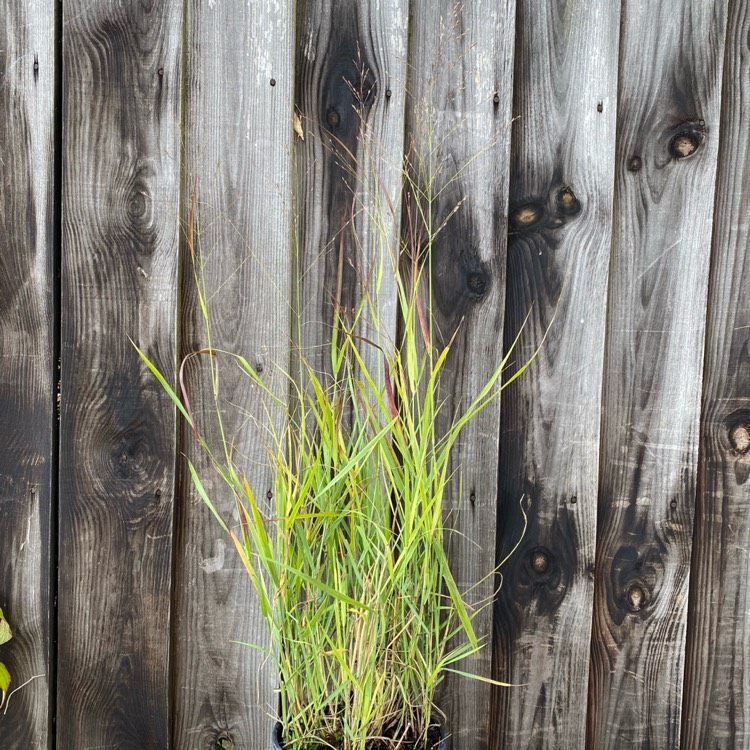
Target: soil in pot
column 435, row 741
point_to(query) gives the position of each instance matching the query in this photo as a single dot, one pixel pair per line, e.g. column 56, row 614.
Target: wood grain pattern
column 717, row 695
column 670, row 75
column 238, row 141
column 561, row 191
column 459, row 121
column 350, row 94
column 120, row 182
column 361, row 76
column 27, row 366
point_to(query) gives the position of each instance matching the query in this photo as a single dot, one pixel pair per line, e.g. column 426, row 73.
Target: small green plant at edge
column 347, row 557
column 5, row 636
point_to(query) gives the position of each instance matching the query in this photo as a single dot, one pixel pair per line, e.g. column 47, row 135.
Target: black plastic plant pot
column 277, row 744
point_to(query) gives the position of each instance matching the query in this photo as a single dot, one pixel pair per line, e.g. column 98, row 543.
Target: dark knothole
column 636, row 598
column 634, row 579
column 138, row 207
column 333, row 118
column 567, row 203
column 686, row 139
column 539, row 559
column 477, row 283
column 526, row 216
column 683, row 145
column 738, row 431
column 542, row 576
column 739, row 438
column 635, row 164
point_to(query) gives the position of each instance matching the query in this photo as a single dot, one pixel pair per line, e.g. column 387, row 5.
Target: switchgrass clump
column 349, row 562
column 347, row 553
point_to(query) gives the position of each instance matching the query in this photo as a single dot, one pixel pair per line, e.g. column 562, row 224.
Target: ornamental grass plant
column 347, row 554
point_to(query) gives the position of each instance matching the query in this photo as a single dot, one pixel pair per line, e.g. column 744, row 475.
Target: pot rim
column 276, row 741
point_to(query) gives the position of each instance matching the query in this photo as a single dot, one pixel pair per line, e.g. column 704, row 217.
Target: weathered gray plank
column 350, row 93
column 717, row 702
column 120, row 182
column 458, row 121
column 27, row 367
column 238, row 141
column 670, row 75
column 561, row 190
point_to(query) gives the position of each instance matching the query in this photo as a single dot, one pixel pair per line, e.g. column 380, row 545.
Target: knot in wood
column 224, row 743
column 477, row 284
column 527, row 215
column 739, row 438
column 636, row 597
column 686, row 138
column 683, row 145
column 333, row 118
column 567, row 203
column 138, row 206
column 635, row 164
column 539, row 561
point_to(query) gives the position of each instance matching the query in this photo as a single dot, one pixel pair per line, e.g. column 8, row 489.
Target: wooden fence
column 599, row 151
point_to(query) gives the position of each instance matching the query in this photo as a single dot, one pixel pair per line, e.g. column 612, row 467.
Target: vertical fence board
column 458, row 121
column 238, row 140
column 670, row 73
column 27, row 367
column 561, row 189
column 717, row 701
column 120, row 183
column 350, row 95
